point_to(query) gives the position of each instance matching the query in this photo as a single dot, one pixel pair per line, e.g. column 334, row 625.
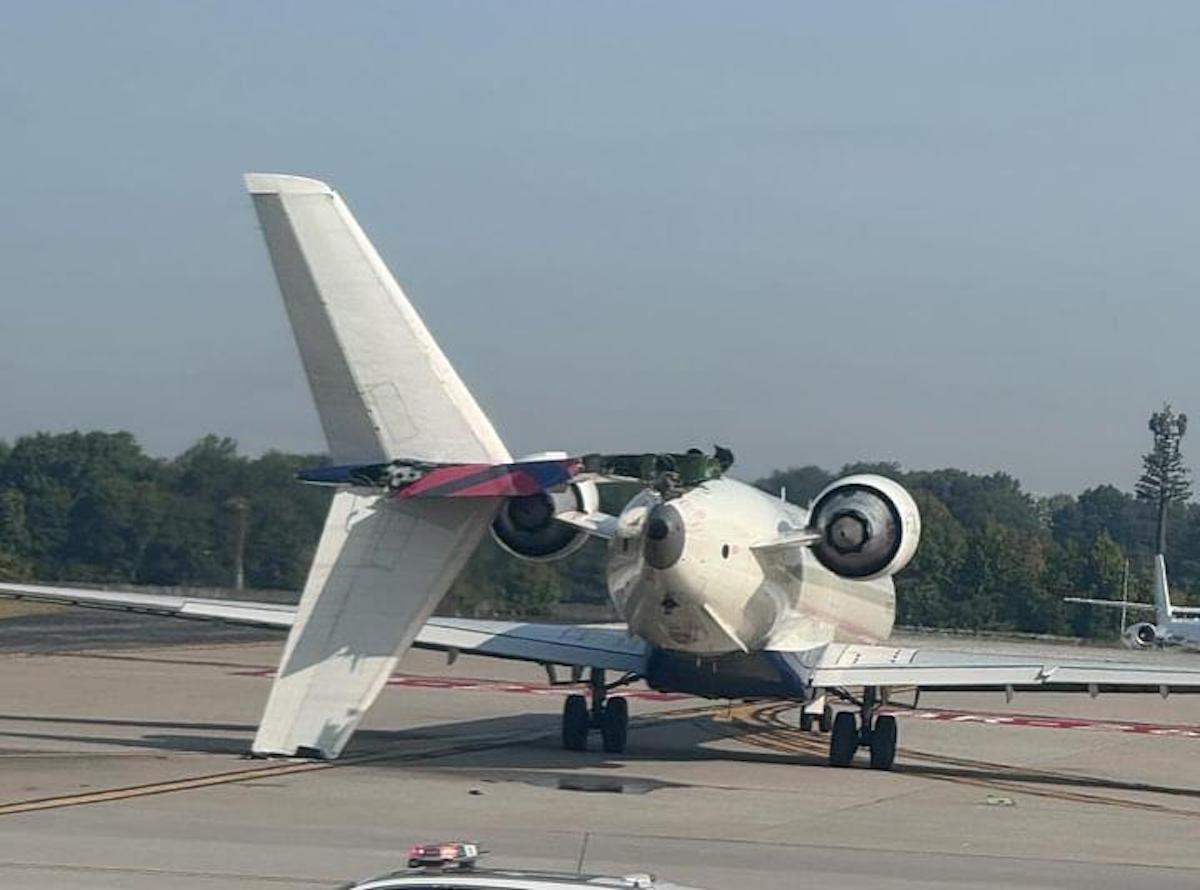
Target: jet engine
column 869, row 527
column 1141, row 636
column 525, row 526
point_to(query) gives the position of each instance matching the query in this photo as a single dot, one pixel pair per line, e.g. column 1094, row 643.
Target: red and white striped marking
column 475, row 684
column 1048, row 722
column 985, row 718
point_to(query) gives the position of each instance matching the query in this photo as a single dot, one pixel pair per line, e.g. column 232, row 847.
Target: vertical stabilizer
column 1162, row 597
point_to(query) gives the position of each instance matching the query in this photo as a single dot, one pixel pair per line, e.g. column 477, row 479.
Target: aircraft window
column 724, row 551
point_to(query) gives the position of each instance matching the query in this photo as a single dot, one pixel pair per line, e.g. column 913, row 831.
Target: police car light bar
column 444, row 855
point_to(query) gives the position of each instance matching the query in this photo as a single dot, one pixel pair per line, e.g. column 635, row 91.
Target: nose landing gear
column 817, row 713
column 874, row 731
column 610, row 716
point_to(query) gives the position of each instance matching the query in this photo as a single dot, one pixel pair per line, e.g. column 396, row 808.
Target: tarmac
column 121, row 766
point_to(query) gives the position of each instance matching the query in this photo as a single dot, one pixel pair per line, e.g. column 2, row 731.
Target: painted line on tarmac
column 281, row 768
column 290, row 766
column 766, row 727
column 477, row 684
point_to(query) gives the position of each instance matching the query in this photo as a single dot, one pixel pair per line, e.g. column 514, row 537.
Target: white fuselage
column 1184, row 632
column 715, row 594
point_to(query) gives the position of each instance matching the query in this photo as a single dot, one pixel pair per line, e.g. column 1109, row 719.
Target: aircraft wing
column 607, row 646
column 237, row 612
column 847, row 665
column 1112, row 604
column 382, row 387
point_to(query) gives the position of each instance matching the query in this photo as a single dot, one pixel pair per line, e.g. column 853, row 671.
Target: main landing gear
column 610, row 716
column 874, row 731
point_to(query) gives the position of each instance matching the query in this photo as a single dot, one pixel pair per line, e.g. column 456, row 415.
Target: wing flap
column 610, row 647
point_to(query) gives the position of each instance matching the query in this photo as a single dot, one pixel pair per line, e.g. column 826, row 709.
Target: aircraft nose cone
column 664, row 536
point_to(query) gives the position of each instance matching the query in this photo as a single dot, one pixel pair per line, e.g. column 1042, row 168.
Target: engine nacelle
column 1143, row 635
column 525, row 526
column 870, row 527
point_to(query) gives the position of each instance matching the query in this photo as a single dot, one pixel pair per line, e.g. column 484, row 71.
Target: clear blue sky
column 954, row 234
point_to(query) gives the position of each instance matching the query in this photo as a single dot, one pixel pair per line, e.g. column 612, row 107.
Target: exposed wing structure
column 841, row 665
column 607, row 646
column 382, row 388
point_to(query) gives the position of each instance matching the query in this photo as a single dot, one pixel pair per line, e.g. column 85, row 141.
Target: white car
column 445, row 866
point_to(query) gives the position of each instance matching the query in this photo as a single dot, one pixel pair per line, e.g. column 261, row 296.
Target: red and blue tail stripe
column 492, row 480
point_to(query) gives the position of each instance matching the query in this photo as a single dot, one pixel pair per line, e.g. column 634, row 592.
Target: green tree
column 1164, row 480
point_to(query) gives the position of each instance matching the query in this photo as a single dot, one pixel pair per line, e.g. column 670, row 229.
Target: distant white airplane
column 1172, row 625
column 725, row 591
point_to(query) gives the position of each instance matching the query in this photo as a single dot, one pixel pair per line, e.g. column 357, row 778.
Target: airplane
column 724, row 591
column 1173, row 626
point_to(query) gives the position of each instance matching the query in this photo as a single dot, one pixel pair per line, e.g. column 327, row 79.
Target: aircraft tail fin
column 1162, row 596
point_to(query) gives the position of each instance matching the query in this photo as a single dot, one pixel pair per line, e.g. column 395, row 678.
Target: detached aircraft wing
column 382, row 387
column 607, row 646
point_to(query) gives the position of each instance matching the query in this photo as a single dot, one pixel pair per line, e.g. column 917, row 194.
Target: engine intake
column 869, row 526
column 1143, row 635
column 526, row 528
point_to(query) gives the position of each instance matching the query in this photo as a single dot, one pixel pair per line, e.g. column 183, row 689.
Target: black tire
column 576, row 721
column 843, row 740
column 614, row 725
column 806, row 722
column 825, row 724
column 883, row 742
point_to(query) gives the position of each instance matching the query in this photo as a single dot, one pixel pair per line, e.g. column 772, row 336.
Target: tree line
column 95, row 508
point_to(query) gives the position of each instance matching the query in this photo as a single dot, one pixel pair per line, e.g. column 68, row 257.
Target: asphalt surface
column 121, row 767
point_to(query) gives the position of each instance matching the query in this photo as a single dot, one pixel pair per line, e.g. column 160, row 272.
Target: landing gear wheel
column 883, row 742
column 614, row 725
column 576, row 721
column 806, row 721
column 843, row 741
column 826, row 722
